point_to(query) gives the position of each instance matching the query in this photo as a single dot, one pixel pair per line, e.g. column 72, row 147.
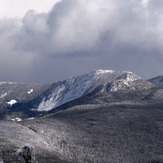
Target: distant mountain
column 157, row 80
column 21, row 100
column 92, row 83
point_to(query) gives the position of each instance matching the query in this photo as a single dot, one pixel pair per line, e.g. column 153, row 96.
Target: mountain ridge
column 157, row 80
column 35, row 99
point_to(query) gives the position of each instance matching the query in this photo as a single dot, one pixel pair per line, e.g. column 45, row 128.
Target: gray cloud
column 78, row 36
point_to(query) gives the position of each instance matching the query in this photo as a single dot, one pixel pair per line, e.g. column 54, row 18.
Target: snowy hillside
column 28, row 100
column 107, row 116
column 14, row 97
column 75, row 87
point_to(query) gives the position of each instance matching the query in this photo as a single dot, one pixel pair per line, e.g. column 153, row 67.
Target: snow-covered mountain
column 97, row 81
column 36, row 98
column 157, row 80
column 104, row 109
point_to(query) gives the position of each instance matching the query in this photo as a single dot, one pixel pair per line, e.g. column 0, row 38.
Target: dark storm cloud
column 78, row 36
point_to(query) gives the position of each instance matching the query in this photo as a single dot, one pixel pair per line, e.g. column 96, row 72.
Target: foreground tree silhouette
column 26, row 153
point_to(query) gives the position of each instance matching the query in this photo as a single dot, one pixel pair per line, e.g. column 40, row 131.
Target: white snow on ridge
column 30, row 91
column 17, row 119
column 129, row 76
column 124, row 81
column 31, row 118
column 2, row 83
column 3, row 95
column 12, row 102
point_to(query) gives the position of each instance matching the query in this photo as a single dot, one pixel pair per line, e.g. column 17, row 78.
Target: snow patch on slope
column 16, row 119
column 47, row 105
column 12, row 102
column 30, row 91
column 2, row 83
column 3, row 95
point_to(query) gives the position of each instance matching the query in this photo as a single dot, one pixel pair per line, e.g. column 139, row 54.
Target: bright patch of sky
column 18, row 8
column 145, row 2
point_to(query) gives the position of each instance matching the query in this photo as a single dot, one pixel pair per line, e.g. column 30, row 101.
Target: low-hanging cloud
column 78, row 36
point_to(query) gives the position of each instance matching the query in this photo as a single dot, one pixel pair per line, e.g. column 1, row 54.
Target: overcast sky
column 47, row 40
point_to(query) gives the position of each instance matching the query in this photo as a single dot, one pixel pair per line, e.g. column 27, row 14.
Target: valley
column 100, row 117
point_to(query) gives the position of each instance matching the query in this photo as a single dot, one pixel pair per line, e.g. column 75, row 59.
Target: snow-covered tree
column 27, row 154
column 1, row 161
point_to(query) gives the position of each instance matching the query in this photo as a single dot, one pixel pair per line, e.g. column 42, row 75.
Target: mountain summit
column 98, row 81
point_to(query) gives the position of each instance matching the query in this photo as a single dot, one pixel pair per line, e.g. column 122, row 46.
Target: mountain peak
column 129, row 76
column 75, row 87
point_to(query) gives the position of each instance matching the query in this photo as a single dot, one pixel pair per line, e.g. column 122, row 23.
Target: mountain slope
column 16, row 97
column 12, row 93
column 119, row 126
column 103, row 116
column 104, row 133
column 157, row 80
column 95, row 82
column 14, row 136
column 19, row 100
